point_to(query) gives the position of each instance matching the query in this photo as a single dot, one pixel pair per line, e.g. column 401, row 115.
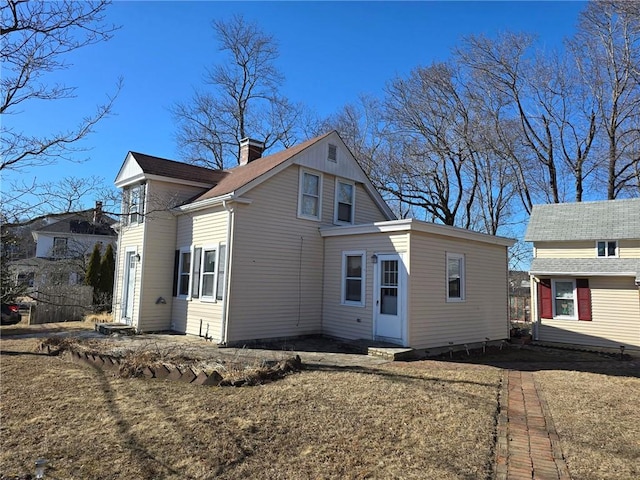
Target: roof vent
column 250, row 150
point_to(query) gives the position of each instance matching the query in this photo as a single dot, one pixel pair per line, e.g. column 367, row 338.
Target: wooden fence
column 63, row 303
column 519, row 309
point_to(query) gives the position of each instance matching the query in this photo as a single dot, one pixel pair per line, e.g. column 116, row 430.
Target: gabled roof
column 171, row 169
column 603, row 220
column 239, row 176
column 80, row 223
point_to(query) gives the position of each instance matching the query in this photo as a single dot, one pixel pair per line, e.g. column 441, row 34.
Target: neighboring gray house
column 586, row 272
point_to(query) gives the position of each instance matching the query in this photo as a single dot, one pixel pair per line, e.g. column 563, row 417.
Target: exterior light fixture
column 374, row 258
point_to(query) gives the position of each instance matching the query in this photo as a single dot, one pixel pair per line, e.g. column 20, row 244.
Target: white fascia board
column 417, row 226
column 211, row 202
column 143, row 176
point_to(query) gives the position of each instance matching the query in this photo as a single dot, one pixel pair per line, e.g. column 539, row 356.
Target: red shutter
column 544, row 298
column 584, row 299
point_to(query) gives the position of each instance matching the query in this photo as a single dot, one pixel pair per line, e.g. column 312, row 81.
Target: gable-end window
column 332, row 154
column 607, row 248
column 455, row 277
column 208, row 273
column 184, row 275
column 310, row 195
column 59, row 247
column 345, row 199
column 133, row 204
column 564, row 299
column 353, row 280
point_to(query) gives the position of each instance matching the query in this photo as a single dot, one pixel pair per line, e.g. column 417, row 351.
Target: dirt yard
column 342, row 416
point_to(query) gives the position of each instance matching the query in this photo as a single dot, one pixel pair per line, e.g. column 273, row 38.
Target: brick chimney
column 250, row 150
column 97, row 212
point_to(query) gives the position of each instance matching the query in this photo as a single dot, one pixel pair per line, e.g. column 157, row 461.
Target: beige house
column 297, row 243
column 586, row 273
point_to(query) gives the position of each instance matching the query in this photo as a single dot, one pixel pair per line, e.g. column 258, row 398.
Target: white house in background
column 63, row 244
column 586, row 273
column 297, row 243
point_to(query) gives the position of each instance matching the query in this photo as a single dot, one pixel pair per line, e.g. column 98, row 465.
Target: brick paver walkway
column 528, row 446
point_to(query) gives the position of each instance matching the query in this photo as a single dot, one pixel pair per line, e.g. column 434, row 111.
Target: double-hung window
column 564, row 299
column 59, row 247
column 345, row 199
column 208, row 273
column 200, row 272
column 606, row 248
column 184, row 274
column 353, row 280
column 310, row 196
column 455, row 277
column 133, row 204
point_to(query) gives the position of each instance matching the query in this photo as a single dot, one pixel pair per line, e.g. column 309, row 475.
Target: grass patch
column 414, row 420
column 598, row 421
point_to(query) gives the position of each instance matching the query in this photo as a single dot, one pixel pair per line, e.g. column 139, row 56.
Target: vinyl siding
column 157, row 254
column 130, row 237
column 583, row 249
column 615, row 303
column 346, row 321
column 197, row 316
column 434, row 322
column 276, row 277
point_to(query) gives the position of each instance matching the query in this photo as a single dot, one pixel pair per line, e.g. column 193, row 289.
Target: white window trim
column 210, row 298
column 343, row 279
column 300, row 194
column 183, row 250
column 335, row 201
column 463, row 275
column 606, row 249
column 141, row 190
column 575, row 299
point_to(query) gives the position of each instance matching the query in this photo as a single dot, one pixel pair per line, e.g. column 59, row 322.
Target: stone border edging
column 172, row 372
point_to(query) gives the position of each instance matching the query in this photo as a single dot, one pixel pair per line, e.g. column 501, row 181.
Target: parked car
column 10, row 314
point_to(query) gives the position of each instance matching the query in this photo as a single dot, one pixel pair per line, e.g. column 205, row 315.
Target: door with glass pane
column 389, row 298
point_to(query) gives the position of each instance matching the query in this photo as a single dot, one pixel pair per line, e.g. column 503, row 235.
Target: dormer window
column 607, row 248
column 133, row 204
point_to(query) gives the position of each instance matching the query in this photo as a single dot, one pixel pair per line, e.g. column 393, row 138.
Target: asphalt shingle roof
column 586, row 266
column 604, row 220
column 172, row 169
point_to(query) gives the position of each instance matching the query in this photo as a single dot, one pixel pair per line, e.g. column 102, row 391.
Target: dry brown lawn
column 396, row 421
column 598, row 419
column 428, row 419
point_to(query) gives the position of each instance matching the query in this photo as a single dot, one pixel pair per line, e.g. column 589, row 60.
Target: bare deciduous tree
column 607, row 50
column 36, row 39
column 244, row 100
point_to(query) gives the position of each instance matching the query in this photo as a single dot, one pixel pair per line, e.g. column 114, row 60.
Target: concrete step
column 111, row 328
column 392, row 353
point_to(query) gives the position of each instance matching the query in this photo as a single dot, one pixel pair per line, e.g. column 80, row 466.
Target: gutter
column 211, row 202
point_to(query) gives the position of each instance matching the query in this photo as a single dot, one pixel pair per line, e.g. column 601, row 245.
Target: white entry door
column 128, row 287
column 390, row 298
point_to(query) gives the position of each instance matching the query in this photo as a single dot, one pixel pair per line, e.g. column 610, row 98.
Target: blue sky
column 330, row 53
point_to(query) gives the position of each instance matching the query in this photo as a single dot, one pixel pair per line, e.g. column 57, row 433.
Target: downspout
column 227, row 277
column 114, row 300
